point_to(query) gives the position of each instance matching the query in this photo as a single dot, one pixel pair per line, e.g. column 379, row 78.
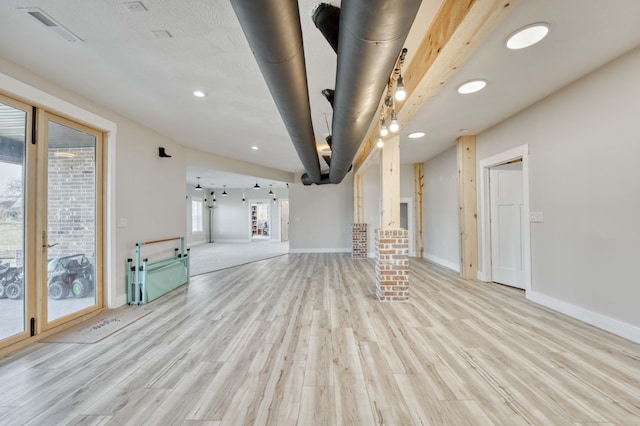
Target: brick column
column 359, row 241
column 392, row 264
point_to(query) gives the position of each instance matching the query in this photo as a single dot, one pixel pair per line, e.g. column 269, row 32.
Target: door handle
column 49, row 245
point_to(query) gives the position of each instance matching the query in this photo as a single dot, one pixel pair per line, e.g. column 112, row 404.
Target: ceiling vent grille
column 50, row 23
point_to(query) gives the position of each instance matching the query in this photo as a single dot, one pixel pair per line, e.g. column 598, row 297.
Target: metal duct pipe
column 307, row 181
column 274, row 34
column 372, row 33
column 327, row 19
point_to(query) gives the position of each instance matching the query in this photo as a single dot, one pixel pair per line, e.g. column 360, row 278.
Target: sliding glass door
column 14, row 120
column 50, row 221
column 71, row 237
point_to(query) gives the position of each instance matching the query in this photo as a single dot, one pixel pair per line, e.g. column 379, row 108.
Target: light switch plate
column 536, row 217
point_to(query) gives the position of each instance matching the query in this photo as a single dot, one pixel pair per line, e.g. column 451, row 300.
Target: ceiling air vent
column 50, row 23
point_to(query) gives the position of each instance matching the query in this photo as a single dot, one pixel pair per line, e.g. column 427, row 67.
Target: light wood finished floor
column 300, row 339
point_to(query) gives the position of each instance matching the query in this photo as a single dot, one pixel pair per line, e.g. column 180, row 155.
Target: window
column 196, row 215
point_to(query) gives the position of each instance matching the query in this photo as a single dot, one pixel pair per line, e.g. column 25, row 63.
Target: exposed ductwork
column 326, row 17
column 274, row 34
column 372, row 34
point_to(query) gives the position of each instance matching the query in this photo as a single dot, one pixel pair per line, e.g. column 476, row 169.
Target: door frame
column 44, row 117
column 410, row 224
column 484, row 231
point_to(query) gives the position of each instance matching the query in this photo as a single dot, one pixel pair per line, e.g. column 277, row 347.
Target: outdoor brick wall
column 359, row 241
column 71, row 204
column 392, row 264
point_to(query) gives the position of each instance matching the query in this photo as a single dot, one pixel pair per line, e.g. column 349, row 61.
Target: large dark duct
column 274, row 34
column 327, row 19
column 372, row 34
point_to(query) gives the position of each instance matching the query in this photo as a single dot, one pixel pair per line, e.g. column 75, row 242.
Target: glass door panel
column 71, row 240
column 13, row 307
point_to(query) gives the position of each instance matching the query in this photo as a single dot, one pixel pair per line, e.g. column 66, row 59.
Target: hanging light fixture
column 270, row 190
column 380, row 143
column 400, row 92
column 198, row 187
column 383, row 128
column 213, row 195
column 256, row 186
column 244, row 200
column 224, row 190
column 394, row 126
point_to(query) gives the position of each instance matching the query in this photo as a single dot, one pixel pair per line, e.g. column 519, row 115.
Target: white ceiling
column 122, row 65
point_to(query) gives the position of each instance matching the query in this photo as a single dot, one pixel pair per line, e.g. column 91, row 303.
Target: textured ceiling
column 121, row 64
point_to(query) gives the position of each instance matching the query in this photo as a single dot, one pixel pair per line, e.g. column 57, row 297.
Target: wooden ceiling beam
column 457, row 30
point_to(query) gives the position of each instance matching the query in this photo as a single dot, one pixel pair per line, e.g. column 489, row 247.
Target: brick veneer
column 71, row 201
column 392, row 264
column 359, row 241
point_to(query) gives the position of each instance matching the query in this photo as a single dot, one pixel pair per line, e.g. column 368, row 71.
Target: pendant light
column 198, row 187
column 401, row 94
column 394, row 126
column 224, row 190
column 256, row 186
column 270, row 190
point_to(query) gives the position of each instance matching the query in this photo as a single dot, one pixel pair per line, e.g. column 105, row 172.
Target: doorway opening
column 504, row 233
column 507, row 224
column 260, row 220
column 406, row 221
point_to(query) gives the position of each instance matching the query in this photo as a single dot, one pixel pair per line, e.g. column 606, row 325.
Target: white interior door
column 507, row 224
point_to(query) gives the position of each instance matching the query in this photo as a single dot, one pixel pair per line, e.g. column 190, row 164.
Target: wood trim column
column 467, row 202
column 390, row 183
column 418, row 184
column 358, row 199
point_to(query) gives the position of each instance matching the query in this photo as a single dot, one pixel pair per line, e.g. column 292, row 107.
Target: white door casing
column 506, row 210
column 484, row 230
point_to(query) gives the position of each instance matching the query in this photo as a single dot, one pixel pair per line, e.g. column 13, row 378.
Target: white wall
column 231, row 218
column 440, row 221
column 371, row 194
column 320, row 217
column 584, row 177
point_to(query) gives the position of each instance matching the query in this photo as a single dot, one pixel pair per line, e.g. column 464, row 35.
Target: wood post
column 418, row 184
column 358, row 199
column 467, row 202
column 390, row 183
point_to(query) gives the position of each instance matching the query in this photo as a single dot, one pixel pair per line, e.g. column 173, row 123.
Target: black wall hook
column 162, row 153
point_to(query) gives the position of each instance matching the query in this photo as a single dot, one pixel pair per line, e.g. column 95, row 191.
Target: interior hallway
column 302, row 339
column 214, row 256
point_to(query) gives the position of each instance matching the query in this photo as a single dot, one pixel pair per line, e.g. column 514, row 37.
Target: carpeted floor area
column 215, row 256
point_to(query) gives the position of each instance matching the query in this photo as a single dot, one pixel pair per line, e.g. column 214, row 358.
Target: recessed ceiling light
column 464, row 130
column 199, row 94
column 527, row 36
column 472, row 86
column 416, row 135
column 255, row 148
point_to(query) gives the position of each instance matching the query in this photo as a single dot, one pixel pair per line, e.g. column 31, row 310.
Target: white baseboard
column 483, row 277
column 611, row 325
column 119, row 301
column 237, row 240
column 443, row 262
column 197, row 243
column 320, row 250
